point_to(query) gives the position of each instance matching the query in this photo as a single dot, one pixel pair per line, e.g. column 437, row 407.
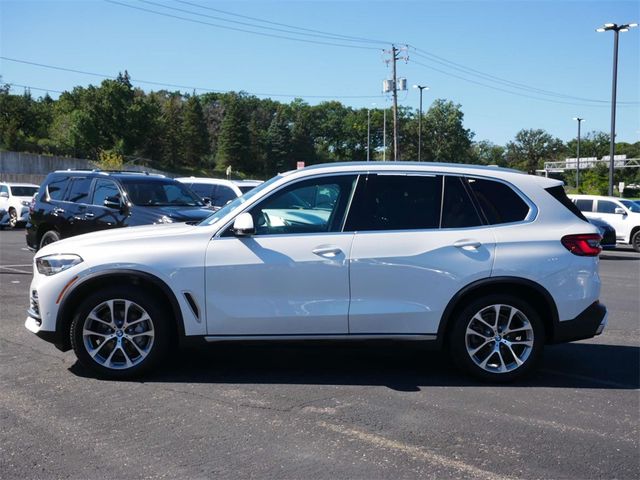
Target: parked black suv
column 73, row 202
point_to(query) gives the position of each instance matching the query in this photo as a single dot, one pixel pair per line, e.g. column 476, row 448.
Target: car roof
column 12, row 184
column 110, row 173
column 507, row 174
column 213, row 181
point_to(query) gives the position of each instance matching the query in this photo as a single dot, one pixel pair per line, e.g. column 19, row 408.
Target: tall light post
column 579, row 120
column 420, row 87
column 616, row 29
column 368, row 134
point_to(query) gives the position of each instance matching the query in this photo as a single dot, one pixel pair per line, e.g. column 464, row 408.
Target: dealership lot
column 321, row 411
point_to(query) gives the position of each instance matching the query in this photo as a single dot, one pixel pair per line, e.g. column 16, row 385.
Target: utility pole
column 395, row 56
column 368, row 134
column 384, row 134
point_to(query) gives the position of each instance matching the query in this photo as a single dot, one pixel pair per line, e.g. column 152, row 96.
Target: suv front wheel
column 120, row 332
column 497, row 338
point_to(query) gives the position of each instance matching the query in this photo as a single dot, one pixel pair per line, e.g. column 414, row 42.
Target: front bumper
column 591, row 322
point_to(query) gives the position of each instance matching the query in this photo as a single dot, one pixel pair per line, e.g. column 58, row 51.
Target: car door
column 415, row 246
column 75, row 207
column 606, row 211
column 292, row 276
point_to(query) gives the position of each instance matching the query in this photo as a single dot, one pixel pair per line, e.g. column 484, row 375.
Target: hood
column 175, row 213
column 116, row 237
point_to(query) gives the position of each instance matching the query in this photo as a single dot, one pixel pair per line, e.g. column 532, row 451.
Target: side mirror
column 243, row 225
column 206, row 200
column 113, row 202
column 4, row 195
column 620, row 211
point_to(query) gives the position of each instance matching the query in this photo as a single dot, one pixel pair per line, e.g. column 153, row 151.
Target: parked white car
column 487, row 262
column 217, row 190
column 620, row 213
column 15, row 199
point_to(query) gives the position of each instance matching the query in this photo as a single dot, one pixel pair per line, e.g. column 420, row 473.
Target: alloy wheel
column 118, row 334
column 499, row 338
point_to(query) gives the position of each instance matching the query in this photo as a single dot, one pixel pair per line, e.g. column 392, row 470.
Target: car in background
column 73, row 202
column 607, row 232
column 217, row 191
column 622, row 214
column 15, row 199
column 489, row 263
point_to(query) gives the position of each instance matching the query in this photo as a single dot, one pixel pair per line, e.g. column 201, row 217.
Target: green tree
column 278, row 143
column 233, row 141
column 531, row 147
column 195, row 141
column 444, row 137
column 488, row 153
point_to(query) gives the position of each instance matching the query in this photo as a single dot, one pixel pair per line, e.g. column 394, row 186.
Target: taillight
column 584, row 244
column 32, row 205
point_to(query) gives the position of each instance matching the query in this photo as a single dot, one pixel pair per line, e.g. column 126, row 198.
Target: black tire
column 13, row 218
column 506, row 356
column 49, row 236
column 128, row 360
column 635, row 241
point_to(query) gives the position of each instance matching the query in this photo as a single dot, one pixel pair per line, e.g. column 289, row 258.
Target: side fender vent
column 192, row 303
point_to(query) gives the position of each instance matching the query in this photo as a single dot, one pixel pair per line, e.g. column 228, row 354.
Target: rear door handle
column 328, row 251
column 467, row 244
column 58, row 211
column 89, row 215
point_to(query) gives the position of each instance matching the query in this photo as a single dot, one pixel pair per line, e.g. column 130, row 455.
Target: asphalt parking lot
column 321, row 411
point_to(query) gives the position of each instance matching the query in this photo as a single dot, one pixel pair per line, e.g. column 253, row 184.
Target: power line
column 34, row 88
column 336, row 35
column 317, row 42
column 471, row 71
column 173, row 85
column 289, row 30
column 520, row 94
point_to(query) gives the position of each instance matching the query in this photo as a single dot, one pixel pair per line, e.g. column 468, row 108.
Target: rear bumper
column 589, row 323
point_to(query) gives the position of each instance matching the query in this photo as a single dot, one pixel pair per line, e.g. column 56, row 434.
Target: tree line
column 260, row 137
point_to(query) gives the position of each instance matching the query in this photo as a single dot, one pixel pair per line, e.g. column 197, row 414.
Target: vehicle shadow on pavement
column 402, row 367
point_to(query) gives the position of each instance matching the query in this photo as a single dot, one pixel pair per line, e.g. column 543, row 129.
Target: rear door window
column 396, row 202
column 79, row 190
column 458, row 210
column 57, row 187
column 498, row 201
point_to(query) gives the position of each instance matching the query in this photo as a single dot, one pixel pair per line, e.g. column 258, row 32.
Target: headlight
column 165, row 219
column 52, row 264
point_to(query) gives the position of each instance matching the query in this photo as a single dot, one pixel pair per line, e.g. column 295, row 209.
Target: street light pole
column 616, row 31
column 579, row 120
column 420, row 87
column 368, row 134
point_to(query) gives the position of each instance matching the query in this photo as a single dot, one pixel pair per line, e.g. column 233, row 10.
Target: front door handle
column 89, row 215
column 328, row 251
column 467, row 244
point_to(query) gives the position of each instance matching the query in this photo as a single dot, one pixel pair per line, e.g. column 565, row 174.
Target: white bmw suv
column 487, row 262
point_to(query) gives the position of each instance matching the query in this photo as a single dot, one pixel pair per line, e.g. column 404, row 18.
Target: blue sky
column 543, row 45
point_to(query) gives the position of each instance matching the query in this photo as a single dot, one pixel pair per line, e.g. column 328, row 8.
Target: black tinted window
column 584, row 205
column 79, row 190
column 57, row 187
column 559, row 194
column 155, row 192
column 499, row 203
column 396, row 202
column 606, row 207
column 24, row 191
column 104, row 189
column 458, row 210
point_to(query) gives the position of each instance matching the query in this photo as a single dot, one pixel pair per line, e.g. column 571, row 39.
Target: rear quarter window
column 498, row 201
column 559, row 194
column 57, row 187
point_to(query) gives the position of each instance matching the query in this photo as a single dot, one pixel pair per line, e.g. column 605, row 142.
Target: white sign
column 299, row 165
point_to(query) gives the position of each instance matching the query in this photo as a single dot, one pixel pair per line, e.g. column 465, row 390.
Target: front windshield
column 631, row 205
column 231, row 206
column 160, row 193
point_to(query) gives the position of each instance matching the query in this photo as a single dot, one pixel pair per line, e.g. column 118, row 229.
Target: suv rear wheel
column 497, row 338
column 120, row 332
column 13, row 218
